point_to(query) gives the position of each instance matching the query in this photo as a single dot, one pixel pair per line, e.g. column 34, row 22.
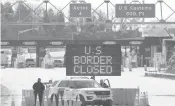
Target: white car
column 88, row 91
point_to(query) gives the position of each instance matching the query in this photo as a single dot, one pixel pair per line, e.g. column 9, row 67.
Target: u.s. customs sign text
column 135, row 10
column 93, row 59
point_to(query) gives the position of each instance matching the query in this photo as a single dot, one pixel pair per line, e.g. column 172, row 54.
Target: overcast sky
column 95, row 3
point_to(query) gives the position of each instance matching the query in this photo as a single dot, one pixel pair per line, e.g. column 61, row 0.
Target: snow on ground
column 18, row 79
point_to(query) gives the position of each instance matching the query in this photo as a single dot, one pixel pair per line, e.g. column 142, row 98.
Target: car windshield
column 87, row 84
column 54, row 83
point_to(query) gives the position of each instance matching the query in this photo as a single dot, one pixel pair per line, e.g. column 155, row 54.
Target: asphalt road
column 161, row 92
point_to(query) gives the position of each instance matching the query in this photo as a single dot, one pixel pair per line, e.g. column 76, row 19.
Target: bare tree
column 7, row 16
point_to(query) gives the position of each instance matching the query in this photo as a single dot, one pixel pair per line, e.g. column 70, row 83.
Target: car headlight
column 111, row 93
column 89, row 92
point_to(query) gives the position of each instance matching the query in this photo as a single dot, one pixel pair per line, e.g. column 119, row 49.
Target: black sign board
column 93, row 59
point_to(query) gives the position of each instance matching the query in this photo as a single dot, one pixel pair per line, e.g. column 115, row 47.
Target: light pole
column 107, row 1
column 135, row 1
column 46, row 1
column 73, row 1
column 161, row 1
column 82, row 1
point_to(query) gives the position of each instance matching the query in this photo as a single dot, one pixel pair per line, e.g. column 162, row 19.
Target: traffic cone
column 145, row 68
column 49, row 102
column 62, row 101
column 130, row 67
column 146, row 99
column 23, row 101
column 45, row 100
column 13, row 101
column 71, row 103
column 53, row 101
column 78, row 101
column 37, row 101
column 136, row 100
column 59, row 100
column 141, row 103
column 65, row 100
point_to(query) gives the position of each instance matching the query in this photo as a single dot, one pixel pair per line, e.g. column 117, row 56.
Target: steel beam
column 69, row 23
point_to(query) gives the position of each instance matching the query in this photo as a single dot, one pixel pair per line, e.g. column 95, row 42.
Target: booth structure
column 38, row 47
column 137, row 51
column 153, row 50
column 168, row 47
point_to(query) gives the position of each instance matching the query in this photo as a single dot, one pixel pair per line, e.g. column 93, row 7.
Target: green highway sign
column 80, row 10
column 135, row 10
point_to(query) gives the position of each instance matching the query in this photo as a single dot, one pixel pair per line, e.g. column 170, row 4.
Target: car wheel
column 108, row 103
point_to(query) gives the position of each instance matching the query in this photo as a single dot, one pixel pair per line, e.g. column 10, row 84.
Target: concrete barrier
column 28, row 98
column 13, row 101
column 125, row 96
column 121, row 97
column 160, row 75
column 144, row 99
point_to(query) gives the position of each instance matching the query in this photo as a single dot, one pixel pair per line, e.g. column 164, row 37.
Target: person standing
column 93, row 77
column 38, row 88
column 4, row 59
column 42, row 54
column 103, row 84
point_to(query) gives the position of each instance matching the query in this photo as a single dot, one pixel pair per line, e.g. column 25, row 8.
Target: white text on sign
column 80, row 8
column 92, row 62
column 96, row 69
column 135, row 8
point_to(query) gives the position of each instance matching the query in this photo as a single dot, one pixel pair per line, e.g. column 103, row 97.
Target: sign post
column 80, row 10
column 93, row 60
column 135, row 10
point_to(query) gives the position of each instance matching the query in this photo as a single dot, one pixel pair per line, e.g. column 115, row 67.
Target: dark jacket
column 38, row 87
column 104, row 85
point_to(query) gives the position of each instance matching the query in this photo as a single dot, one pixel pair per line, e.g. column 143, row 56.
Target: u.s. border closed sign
column 80, row 10
column 93, row 59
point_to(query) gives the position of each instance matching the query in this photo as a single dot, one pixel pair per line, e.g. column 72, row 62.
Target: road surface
column 161, row 92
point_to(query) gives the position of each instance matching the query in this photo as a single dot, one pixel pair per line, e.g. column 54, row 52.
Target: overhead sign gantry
column 83, row 10
column 132, row 11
